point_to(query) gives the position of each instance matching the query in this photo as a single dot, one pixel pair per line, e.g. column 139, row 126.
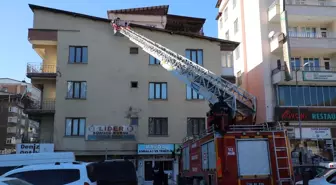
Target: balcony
column 300, row 11
column 46, row 106
column 41, row 70
column 303, row 43
column 306, row 75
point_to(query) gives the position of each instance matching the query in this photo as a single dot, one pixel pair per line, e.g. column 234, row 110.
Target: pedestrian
column 158, row 176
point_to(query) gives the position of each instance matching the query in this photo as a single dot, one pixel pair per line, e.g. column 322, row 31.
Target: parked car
column 73, row 173
column 114, row 172
column 328, row 177
column 12, row 181
column 315, row 170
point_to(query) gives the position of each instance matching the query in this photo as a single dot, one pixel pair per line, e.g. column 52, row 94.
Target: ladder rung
column 279, row 138
column 283, row 168
column 282, row 157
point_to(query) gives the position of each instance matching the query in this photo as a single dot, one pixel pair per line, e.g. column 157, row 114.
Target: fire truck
column 232, row 150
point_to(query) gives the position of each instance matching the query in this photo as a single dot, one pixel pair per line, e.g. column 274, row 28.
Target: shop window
column 307, row 95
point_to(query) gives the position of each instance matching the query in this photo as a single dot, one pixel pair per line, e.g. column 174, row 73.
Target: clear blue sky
column 16, row 17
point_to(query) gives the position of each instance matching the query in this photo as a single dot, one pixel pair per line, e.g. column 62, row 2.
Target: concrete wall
column 108, row 74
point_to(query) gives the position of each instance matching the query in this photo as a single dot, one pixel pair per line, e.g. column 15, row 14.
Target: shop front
column 318, row 133
column 160, row 155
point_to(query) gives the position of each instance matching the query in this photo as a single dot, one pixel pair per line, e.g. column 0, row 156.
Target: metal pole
column 298, row 105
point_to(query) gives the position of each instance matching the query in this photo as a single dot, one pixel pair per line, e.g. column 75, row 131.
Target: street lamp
column 298, row 105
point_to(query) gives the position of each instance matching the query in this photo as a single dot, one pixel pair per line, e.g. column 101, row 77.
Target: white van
column 12, row 161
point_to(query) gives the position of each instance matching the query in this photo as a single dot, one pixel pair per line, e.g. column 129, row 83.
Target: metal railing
column 306, row 68
column 41, row 68
column 312, row 2
column 266, row 127
column 47, row 104
column 311, row 35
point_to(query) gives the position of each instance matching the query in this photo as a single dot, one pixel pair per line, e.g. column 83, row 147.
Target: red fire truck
column 229, row 153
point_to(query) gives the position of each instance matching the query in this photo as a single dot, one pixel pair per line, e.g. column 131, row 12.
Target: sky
column 16, row 17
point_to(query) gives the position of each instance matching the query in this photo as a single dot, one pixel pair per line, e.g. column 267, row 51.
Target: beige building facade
column 260, row 67
column 92, row 80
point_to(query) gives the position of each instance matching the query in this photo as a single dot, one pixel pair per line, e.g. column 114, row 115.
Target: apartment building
column 15, row 126
column 261, row 26
column 103, row 96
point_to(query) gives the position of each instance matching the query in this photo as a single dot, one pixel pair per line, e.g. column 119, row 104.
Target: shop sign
column 150, row 149
column 306, row 114
column 110, row 132
column 27, row 148
column 313, row 133
column 318, row 76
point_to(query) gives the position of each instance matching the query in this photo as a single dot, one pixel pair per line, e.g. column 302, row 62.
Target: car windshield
column 324, row 173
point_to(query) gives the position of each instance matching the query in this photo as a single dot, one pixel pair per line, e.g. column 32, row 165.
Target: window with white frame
column 237, row 52
column 195, row 126
column 326, row 63
column 227, row 59
column 236, row 27
column 220, row 23
column 311, row 64
column 308, row 32
column 226, row 14
column 75, row 126
column 234, row 3
column 227, row 35
column 295, row 63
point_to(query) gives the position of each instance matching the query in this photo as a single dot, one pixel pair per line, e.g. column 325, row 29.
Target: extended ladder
column 281, row 170
column 203, row 81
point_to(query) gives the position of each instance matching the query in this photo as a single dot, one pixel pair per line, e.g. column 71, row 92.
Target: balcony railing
column 45, row 105
column 312, row 2
column 311, row 35
column 306, row 68
column 33, row 68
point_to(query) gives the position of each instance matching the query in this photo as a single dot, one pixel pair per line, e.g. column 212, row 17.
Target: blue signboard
column 150, row 149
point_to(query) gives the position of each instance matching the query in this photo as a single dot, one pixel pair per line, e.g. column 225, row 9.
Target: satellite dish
column 271, row 34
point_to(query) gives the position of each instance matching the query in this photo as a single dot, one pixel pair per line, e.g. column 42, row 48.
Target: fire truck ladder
column 280, row 179
column 203, row 81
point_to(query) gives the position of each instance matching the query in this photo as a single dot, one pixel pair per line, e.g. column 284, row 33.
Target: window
column 226, row 14
column 295, row 63
column 75, row 126
column 134, row 50
column 195, row 126
column 308, row 32
column 239, row 78
column 50, row 177
column 313, row 64
column 134, row 84
column 153, row 61
column 307, row 95
column 237, row 52
column 326, row 63
column 4, row 89
column 195, row 55
column 234, row 3
column 235, row 24
column 15, row 182
column 78, row 54
column 227, row 59
column 227, row 35
column 158, row 90
column 158, row 126
column 76, row 90
column 220, row 23
column 293, row 31
column 134, row 121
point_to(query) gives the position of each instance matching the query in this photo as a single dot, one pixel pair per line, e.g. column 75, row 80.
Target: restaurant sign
column 110, row 132
column 306, row 114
